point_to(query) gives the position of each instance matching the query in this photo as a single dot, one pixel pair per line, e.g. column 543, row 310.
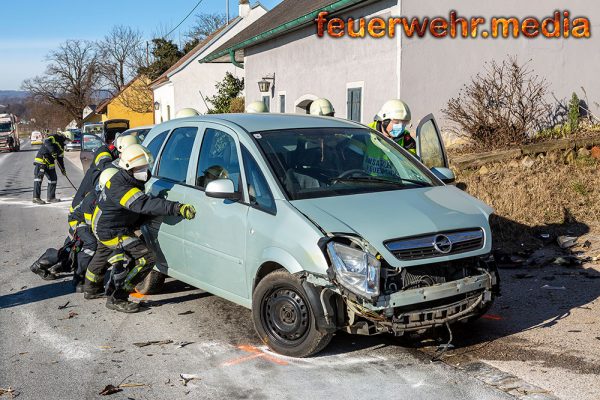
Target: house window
column 282, row 103
column 354, row 102
column 267, row 101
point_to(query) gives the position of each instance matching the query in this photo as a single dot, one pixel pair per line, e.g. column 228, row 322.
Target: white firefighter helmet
column 135, row 156
column 105, row 177
column 394, row 109
column 256, row 107
column 125, row 141
column 322, row 107
column 186, row 112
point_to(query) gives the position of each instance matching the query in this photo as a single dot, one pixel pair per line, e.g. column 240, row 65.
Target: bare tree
column 205, row 24
column 506, row 105
column 46, row 115
column 121, row 54
column 70, row 80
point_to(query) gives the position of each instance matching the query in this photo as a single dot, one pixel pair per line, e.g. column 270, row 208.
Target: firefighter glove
column 187, row 211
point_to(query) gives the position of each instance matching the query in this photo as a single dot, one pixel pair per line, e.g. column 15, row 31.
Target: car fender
column 281, row 257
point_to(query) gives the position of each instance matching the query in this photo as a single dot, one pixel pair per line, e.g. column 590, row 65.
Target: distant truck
column 9, row 133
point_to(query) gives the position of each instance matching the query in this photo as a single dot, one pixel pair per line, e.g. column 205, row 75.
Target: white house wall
column 434, row 70
column 165, row 96
column 306, row 66
column 197, row 81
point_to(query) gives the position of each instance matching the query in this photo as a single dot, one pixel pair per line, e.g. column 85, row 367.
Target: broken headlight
column 355, row 269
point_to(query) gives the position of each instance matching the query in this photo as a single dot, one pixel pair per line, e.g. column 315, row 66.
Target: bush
column 237, row 105
column 505, row 105
column 574, row 114
column 227, row 90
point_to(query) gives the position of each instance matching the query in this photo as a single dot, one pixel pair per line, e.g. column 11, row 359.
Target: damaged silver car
column 320, row 225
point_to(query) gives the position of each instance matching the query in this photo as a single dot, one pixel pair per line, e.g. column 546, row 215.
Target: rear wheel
column 283, row 317
column 152, row 284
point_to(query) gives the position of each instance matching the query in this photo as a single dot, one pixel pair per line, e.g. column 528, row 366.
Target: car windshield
column 95, row 129
column 5, row 126
column 322, row 162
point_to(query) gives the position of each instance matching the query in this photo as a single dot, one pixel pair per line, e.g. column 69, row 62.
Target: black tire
column 152, row 284
column 283, row 317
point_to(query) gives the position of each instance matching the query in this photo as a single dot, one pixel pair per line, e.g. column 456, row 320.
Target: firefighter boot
column 119, row 302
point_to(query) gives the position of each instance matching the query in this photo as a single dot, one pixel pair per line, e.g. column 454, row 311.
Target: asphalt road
column 73, row 352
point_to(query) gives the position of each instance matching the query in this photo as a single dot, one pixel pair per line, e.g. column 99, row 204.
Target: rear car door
column 430, row 146
column 215, row 241
column 169, row 182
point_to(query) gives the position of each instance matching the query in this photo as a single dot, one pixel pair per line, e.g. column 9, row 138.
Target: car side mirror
column 222, row 189
column 444, row 174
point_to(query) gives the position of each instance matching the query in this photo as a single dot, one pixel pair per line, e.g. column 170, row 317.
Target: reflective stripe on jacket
column 121, row 204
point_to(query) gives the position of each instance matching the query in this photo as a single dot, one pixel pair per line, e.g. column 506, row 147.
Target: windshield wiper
column 367, row 179
column 376, row 179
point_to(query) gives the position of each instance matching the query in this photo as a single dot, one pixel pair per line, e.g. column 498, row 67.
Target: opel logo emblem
column 442, row 244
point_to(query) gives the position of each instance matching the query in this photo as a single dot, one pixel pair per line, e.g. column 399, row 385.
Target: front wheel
column 283, row 317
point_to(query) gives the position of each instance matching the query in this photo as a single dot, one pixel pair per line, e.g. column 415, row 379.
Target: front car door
column 215, row 241
column 430, row 146
column 169, row 182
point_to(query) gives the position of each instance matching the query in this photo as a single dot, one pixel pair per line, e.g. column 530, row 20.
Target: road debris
column 64, row 305
column 72, row 314
column 110, row 389
column 186, row 378
column 567, row 261
column 10, row 391
column 565, row 242
column 182, row 344
column 186, row 312
column 549, row 287
column 152, row 342
column 523, row 276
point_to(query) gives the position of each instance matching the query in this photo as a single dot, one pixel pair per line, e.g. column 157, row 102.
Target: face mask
column 142, row 176
column 397, row 130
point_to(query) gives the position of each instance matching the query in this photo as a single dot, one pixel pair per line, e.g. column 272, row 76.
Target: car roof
column 261, row 122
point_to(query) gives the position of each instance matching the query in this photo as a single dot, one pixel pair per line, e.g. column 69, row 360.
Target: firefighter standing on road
column 116, row 217
column 392, row 121
column 50, row 154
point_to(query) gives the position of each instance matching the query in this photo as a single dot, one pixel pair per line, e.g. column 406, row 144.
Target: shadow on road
column 35, row 294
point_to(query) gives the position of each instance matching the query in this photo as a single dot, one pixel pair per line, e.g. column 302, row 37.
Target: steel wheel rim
column 285, row 316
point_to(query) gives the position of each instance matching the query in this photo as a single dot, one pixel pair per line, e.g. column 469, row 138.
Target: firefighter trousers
column 38, row 175
column 87, row 251
column 134, row 249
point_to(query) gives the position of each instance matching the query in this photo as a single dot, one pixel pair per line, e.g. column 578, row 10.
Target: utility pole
column 227, row 11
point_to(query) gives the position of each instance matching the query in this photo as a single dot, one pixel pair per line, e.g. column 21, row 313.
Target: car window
column 258, row 188
column 218, row 159
column 175, row 158
column 156, row 143
column 322, row 162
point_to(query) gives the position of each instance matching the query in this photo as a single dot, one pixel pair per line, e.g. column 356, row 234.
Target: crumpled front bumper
column 424, row 308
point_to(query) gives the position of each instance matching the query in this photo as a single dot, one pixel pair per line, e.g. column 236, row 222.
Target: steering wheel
column 348, row 173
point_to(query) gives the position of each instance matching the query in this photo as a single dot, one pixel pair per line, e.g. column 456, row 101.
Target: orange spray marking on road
column 254, row 353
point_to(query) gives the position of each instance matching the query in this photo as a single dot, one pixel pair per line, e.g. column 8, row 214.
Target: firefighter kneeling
column 115, row 219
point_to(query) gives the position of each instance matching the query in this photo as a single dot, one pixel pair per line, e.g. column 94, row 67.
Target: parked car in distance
column 36, row 137
column 95, row 135
column 75, row 143
column 140, row 132
column 319, row 224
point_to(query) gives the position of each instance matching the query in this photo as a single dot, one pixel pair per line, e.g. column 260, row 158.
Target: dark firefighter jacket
column 120, row 206
column 103, row 158
column 82, row 213
column 52, row 150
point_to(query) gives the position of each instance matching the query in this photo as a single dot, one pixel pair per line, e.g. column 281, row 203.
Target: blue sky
column 31, row 28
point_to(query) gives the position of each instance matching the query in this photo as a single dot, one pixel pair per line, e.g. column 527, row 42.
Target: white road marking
column 47, row 337
column 64, row 204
